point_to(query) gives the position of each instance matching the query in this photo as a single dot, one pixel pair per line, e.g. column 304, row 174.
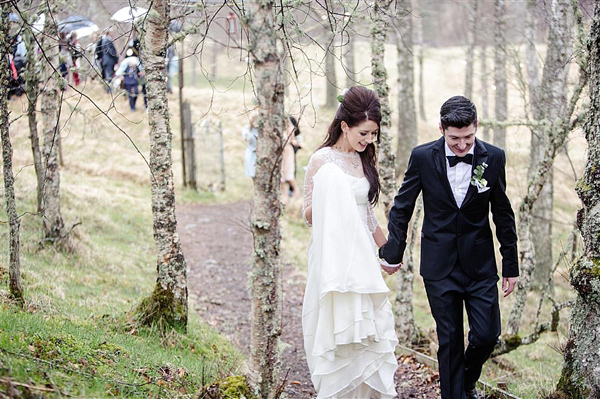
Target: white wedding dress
column 347, row 320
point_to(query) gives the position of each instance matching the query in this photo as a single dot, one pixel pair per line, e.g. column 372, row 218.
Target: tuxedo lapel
column 439, row 159
column 480, row 157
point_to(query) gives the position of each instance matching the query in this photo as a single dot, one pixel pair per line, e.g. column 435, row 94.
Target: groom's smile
column 460, row 140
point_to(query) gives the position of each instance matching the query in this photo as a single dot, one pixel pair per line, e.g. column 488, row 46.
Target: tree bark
column 556, row 131
column 265, row 279
column 331, row 91
column 418, row 28
column 53, row 224
column 501, row 107
column 549, row 103
column 167, row 307
column 407, row 122
column 471, row 40
column 349, row 64
column 580, row 376
column 379, row 29
column 485, row 106
column 14, row 266
column 32, row 82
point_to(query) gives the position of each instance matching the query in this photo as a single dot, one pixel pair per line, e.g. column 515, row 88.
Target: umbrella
column 75, row 22
column 128, row 14
column 38, row 25
column 85, row 31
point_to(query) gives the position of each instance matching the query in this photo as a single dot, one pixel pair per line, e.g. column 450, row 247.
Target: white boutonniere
column 477, row 179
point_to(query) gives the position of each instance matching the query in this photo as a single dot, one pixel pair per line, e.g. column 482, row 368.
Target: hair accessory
column 340, row 97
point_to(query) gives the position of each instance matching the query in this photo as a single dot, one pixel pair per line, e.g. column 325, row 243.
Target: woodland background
column 97, row 303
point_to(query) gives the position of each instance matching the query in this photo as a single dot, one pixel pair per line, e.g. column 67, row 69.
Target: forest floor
column 217, row 245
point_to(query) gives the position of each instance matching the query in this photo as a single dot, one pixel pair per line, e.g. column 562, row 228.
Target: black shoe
column 472, row 394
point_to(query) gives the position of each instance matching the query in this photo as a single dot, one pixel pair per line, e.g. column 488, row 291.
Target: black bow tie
column 453, row 159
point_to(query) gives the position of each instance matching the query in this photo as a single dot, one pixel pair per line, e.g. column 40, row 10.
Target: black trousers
column 460, row 369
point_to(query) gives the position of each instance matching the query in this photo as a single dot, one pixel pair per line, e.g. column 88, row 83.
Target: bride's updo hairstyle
column 358, row 105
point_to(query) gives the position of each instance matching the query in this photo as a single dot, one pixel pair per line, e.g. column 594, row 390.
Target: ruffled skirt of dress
column 347, row 320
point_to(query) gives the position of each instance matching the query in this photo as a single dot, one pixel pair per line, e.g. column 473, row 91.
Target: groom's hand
column 391, row 269
column 508, row 285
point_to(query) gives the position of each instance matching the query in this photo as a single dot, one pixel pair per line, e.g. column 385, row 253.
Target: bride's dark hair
column 359, row 105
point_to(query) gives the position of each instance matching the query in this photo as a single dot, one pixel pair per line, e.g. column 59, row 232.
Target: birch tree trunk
column 167, row 307
column 53, row 224
column 349, row 64
column 332, row 90
column 14, row 266
column 580, row 376
column 485, row 103
column 501, row 104
column 31, row 76
column 549, row 103
column 471, row 39
column 407, row 122
column 418, row 28
column 265, row 279
column 379, row 29
column 556, row 131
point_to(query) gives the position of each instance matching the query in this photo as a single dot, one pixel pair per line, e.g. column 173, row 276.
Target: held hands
column 391, row 269
column 508, row 285
column 388, row 268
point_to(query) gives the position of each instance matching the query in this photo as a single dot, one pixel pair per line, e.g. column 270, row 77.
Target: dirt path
column 217, row 245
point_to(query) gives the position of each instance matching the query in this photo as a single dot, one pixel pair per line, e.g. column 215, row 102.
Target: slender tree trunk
column 549, row 103
column 332, row 90
column 501, row 107
column 418, row 27
column 265, row 280
column 167, row 307
column 407, row 122
column 556, row 131
column 471, row 40
column 32, row 82
column 581, row 369
column 485, row 102
column 379, row 29
column 14, row 266
column 350, row 67
column 54, row 228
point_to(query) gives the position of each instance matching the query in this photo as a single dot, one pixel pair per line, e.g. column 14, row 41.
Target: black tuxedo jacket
column 449, row 232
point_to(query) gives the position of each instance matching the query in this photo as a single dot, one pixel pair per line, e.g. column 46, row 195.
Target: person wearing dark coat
column 110, row 58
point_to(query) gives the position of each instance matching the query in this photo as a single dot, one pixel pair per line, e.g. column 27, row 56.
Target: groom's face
column 460, row 139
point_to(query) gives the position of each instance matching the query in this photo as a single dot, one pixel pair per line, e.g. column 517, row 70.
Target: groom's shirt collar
column 449, row 152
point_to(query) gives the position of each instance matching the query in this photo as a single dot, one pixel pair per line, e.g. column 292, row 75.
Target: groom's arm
column 401, row 212
column 504, row 219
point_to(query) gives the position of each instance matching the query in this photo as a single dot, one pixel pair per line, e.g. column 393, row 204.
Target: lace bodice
column 351, row 165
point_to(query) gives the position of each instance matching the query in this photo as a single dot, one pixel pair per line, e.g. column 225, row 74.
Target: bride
column 347, row 320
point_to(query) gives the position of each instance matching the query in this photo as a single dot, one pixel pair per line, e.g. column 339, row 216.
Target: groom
column 462, row 179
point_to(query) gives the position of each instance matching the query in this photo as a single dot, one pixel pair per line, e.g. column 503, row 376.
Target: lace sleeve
column 371, row 219
column 315, row 162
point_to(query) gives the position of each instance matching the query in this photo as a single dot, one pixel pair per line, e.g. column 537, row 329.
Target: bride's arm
column 379, row 237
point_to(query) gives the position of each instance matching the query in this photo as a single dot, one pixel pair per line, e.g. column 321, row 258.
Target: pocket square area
column 482, row 189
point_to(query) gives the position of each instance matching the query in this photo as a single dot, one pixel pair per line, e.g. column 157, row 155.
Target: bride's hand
column 391, row 269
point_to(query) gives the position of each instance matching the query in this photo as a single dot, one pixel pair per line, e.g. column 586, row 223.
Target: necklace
column 352, row 156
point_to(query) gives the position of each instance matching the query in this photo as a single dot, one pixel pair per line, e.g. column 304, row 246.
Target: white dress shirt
column 459, row 176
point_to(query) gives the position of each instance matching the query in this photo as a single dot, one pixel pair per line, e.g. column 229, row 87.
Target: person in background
column 99, row 54
column 249, row 133
column 288, row 168
column 297, row 145
column 172, row 65
column 130, row 70
column 76, row 54
column 110, row 58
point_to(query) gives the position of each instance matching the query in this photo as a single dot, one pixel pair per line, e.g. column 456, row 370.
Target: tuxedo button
column 459, row 234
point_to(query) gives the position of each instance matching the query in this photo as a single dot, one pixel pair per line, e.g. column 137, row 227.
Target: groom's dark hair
column 458, row 111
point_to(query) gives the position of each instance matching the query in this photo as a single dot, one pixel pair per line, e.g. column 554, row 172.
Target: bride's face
column 359, row 136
